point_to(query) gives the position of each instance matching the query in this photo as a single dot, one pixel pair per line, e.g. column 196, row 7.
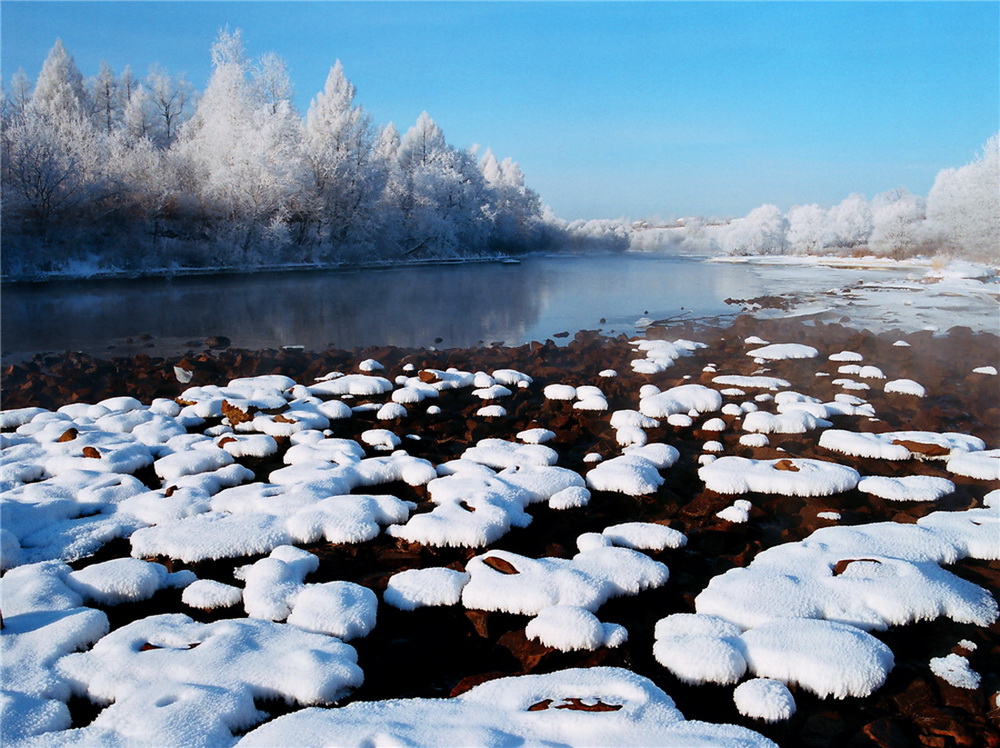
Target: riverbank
column 447, row 648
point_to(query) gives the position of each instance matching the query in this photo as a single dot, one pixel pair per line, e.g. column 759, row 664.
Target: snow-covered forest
column 138, row 174
column 960, row 217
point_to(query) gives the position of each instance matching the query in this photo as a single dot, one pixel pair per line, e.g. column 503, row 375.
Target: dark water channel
column 461, row 305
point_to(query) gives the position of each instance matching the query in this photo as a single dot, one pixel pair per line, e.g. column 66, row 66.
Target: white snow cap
column 525, row 710
column 752, row 382
column 644, row 536
column 991, row 370
column 907, row 488
column 905, row 387
column 681, row 399
column 791, row 422
column 208, row 594
column 491, row 411
column 630, row 474
column 559, row 392
column 195, row 683
column 764, row 699
column 536, row 436
column 509, row 582
column 416, row 588
column 983, row 465
column 847, row 356
column 955, row 670
column 569, row 627
column 124, row 580
column 788, row 476
column 737, row 513
column 899, row 445
column 782, row 351
column 824, row 657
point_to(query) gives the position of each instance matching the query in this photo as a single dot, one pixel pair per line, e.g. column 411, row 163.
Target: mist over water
column 462, row 305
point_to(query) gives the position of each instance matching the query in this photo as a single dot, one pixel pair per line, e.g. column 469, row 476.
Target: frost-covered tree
column 169, row 101
column 513, row 209
column 340, row 153
column 760, row 232
column 126, row 163
column 808, row 229
column 899, row 224
column 243, row 155
column 443, row 192
column 54, row 158
column 271, row 80
column 59, row 91
column 850, row 222
column 105, row 96
column 18, row 97
column 137, row 119
column 967, row 202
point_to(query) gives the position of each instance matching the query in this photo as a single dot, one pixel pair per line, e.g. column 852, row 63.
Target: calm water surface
column 462, row 305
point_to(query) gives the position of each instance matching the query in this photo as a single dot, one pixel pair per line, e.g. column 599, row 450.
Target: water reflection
column 461, row 305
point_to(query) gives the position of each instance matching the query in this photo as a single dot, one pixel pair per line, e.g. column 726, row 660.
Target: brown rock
column 504, row 567
column 91, row 452
column 885, row 734
column 841, row 566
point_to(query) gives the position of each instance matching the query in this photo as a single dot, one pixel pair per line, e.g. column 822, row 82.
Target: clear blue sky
column 612, row 109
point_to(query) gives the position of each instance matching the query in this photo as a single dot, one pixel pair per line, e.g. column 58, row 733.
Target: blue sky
column 635, row 109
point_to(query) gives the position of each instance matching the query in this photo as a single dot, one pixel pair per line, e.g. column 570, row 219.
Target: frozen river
column 446, row 306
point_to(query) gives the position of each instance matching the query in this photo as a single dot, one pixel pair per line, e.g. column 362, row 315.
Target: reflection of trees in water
column 408, row 307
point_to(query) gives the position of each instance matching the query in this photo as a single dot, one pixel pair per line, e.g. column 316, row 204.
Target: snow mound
column 195, row 683
column 681, row 399
column 764, row 699
column 415, row 588
column 788, row 477
column 824, row 657
column 644, row 536
column 983, row 465
column 592, row 706
column 124, row 580
column 630, row 474
column 954, row 670
column 358, row 385
column 497, row 453
column 568, row 627
column 900, row 445
column 870, row 576
column 207, row 594
column 737, row 513
column 536, row 436
column 43, row 620
column 752, row 382
column 905, row 387
column 907, row 488
column 699, row 648
column 792, row 422
column 509, row 582
column 275, row 591
column 783, row 351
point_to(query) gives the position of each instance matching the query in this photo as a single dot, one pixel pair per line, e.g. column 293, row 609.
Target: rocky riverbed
column 915, row 387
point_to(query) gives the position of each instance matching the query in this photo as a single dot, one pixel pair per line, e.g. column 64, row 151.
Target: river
column 443, row 306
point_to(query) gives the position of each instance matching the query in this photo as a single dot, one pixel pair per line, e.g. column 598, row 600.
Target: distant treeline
column 118, row 172
column 960, row 217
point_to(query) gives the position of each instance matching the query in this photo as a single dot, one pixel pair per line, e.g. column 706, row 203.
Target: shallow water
column 461, row 305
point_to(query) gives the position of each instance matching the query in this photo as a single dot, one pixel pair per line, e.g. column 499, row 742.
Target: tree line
column 960, row 217
column 147, row 173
